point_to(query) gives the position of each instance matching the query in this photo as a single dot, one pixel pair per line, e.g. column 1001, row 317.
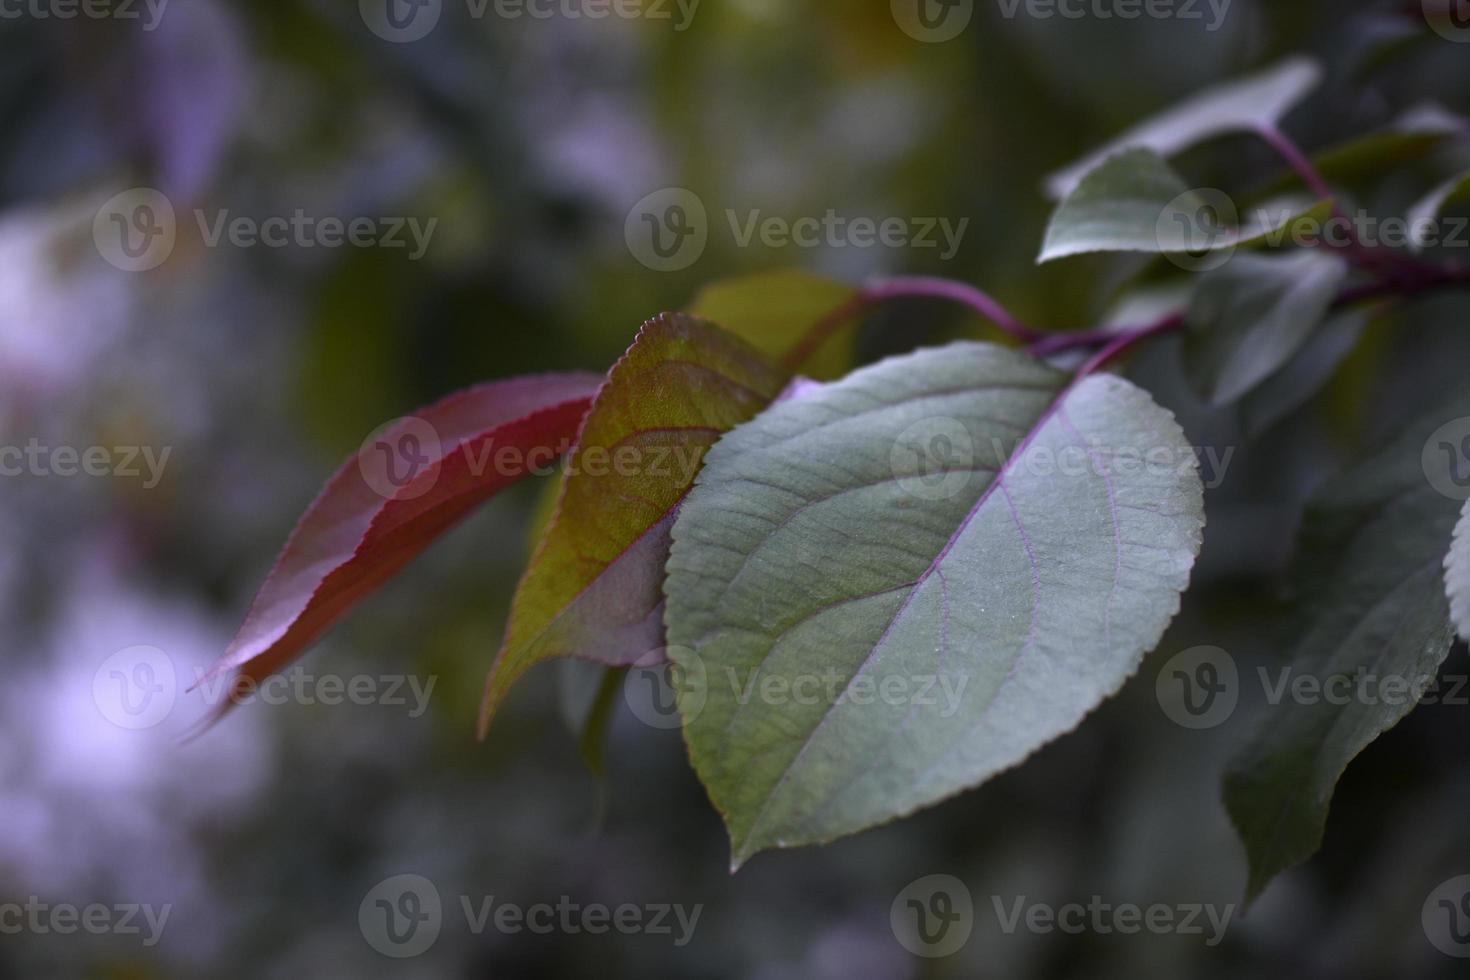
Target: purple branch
column 958, row 292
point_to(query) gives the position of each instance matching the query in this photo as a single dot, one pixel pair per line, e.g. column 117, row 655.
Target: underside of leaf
column 363, row 529
column 593, row 587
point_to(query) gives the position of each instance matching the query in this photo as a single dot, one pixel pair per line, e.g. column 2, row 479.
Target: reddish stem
column 910, row 287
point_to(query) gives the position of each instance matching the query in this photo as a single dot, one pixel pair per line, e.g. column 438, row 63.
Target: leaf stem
column 1117, row 341
column 1380, row 260
column 908, row 287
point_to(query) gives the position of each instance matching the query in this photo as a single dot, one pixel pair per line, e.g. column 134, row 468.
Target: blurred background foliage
column 529, row 141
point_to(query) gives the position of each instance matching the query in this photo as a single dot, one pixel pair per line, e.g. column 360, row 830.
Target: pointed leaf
column 587, row 694
column 1247, row 103
column 405, row 488
column 1249, row 317
column 593, row 588
column 775, row 312
column 825, row 553
column 1457, row 575
column 1135, row 202
column 1410, row 137
column 1372, row 603
column 1422, row 218
column 1305, row 374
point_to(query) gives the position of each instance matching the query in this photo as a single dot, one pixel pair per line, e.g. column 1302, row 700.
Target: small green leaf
column 1457, row 575
column 944, row 561
column 1410, row 137
column 775, row 312
column 592, row 589
column 1250, row 316
column 1248, row 103
column 1371, row 602
column 587, row 693
column 1135, row 202
column 1423, row 216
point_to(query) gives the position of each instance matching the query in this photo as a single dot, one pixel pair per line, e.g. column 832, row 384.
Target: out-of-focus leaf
column 1423, row 216
column 1245, row 104
column 1371, row 603
column 403, row 489
column 1409, row 139
column 826, row 552
column 1457, row 575
column 1250, row 316
column 592, row 589
column 776, row 311
column 587, row 695
column 1304, row 374
column 1135, row 202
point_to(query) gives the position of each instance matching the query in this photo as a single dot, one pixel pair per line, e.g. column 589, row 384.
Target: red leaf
column 404, row 488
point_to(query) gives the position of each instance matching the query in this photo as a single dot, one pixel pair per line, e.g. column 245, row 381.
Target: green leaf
column 1305, row 374
column 1371, row 600
column 1423, row 216
column 1249, row 103
column 1250, row 316
column 592, row 589
column 1457, row 575
column 1410, row 137
column 879, row 532
column 776, row 311
column 586, row 695
column 1135, row 202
